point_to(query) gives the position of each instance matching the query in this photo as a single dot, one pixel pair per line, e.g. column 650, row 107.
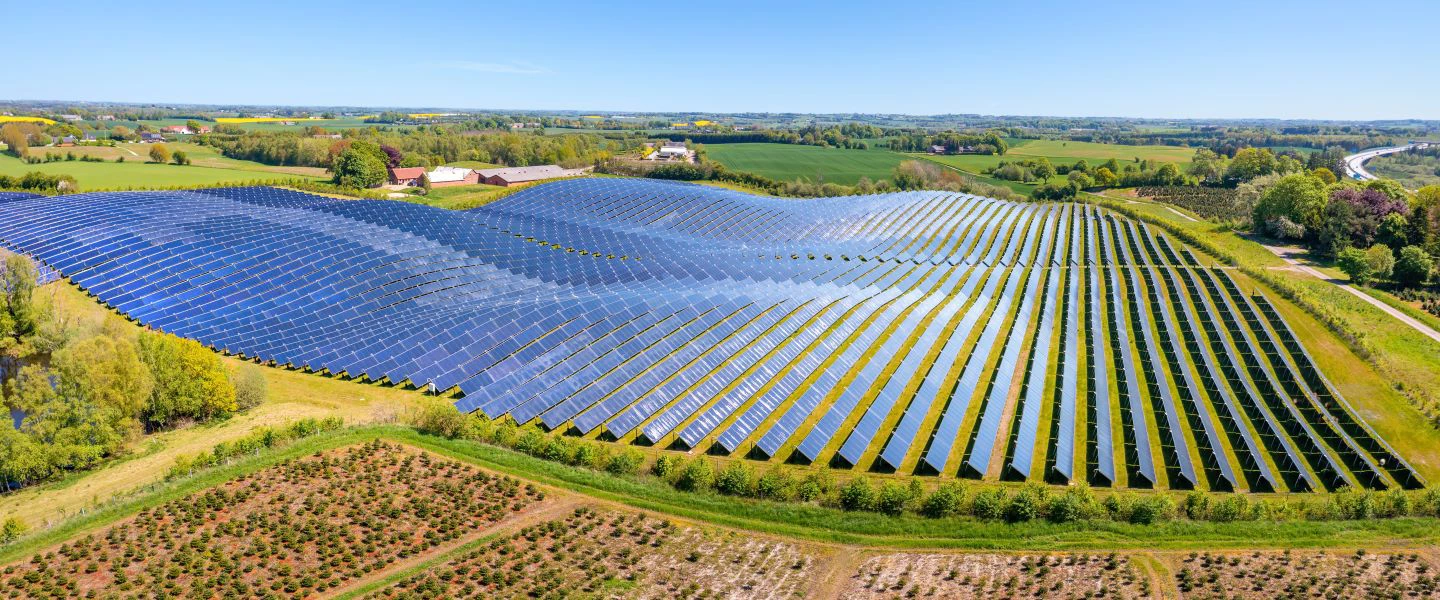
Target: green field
column 788, row 162
column 206, row 168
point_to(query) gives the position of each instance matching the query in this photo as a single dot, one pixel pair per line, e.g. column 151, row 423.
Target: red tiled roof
column 406, row 173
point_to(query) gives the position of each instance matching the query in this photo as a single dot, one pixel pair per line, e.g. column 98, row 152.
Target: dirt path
column 833, row 576
column 1289, row 255
column 553, row 507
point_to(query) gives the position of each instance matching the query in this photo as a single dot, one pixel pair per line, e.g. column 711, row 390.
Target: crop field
column 787, row 162
column 606, row 552
column 14, row 119
column 292, row 531
column 997, row 576
column 1264, row 575
column 925, row 333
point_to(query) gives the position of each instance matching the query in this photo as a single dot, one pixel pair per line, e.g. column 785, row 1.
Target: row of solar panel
column 935, row 361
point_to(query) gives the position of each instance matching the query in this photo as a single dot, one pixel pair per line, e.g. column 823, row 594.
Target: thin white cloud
column 513, row 68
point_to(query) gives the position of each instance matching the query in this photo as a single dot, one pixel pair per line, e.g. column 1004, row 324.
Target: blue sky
column 1258, row 58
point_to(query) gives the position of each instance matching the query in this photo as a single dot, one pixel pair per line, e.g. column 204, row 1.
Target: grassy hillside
column 787, row 162
column 207, row 167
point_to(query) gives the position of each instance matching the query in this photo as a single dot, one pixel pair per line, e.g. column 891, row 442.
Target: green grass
column 135, row 173
column 1069, row 151
column 787, row 162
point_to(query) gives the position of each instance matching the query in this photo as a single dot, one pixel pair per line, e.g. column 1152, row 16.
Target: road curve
column 1355, row 163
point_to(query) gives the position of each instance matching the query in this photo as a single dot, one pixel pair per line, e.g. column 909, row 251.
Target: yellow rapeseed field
column 8, row 119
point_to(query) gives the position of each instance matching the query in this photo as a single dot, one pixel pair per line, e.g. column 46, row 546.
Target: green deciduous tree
column 1250, row 163
column 1352, row 262
column 1413, row 266
column 355, row 167
column 190, row 381
column 1299, row 198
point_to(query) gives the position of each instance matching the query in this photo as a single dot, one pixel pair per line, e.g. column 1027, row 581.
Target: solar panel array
column 919, row 332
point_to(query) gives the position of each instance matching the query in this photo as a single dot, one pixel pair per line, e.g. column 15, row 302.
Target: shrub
column 1025, row 505
column 735, row 480
column 625, row 463
column 989, row 504
column 436, row 417
column 11, row 530
column 776, row 484
column 251, row 387
column 696, row 476
column 815, row 485
column 893, row 498
column 665, row 467
column 857, row 495
column 1233, row 507
column 1068, row 507
column 945, row 501
column 1152, row 509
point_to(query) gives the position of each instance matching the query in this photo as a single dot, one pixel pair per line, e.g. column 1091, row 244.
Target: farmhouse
column 151, row 137
column 406, row 175
column 452, row 176
column 72, row 117
column 176, row 129
column 509, row 176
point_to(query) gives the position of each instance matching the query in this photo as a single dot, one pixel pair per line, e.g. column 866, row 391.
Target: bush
column 1381, row 261
column 251, row 387
column 437, row 417
column 696, row 476
column 736, row 480
column 945, row 501
column 776, row 484
column 893, row 498
column 625, row 463
column 1153, row 509
column 665, row 466
column 1025, row 505
column 857, row 495
column 989, row 504
column 11, row 530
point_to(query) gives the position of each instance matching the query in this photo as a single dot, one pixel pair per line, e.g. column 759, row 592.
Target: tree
column 1354, row 263
column 17, row 307
column 1391, row 188
column 179, row 158
column 190, row 381
column 1104, row 177
column 1297, row 198
column 1413, row 266
column 1169, row 174
column 159, row 153
column 1043, row 170
column 1324, row 174
column 193, row 126
column 105, row 372
column 1381, row 261
column 1250, row 163
column 1394, row 231
column 358, row 168
column 1080, row 180
column 16, row 139
column 1207, row 166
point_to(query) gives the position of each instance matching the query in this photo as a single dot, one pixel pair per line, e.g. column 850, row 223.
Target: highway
column 1355, row 163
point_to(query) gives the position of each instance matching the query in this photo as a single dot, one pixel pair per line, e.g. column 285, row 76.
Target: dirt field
column 290, row 531
column 1305, row 575
column 905, row 575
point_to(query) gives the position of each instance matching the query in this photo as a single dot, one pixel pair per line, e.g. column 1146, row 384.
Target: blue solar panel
column 902, row 330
